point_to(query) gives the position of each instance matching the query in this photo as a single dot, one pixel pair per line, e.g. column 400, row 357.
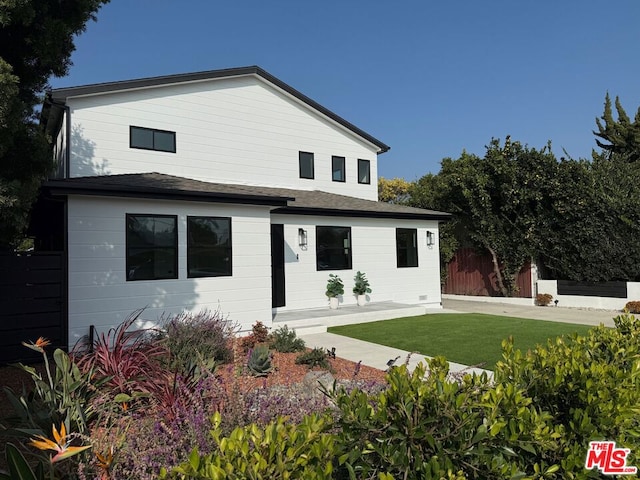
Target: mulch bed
column 286, row 372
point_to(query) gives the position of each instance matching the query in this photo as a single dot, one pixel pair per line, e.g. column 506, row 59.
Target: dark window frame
column 362, row 161
column 327, row 253
column 153, row 132
column 343, row 169
column 403, row 260
column 128, row 248
column 300, row 159
column 229, row 248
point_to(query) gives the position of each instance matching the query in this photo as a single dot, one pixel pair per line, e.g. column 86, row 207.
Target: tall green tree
column 619, row 137
column 36, row 42
column 496, row 201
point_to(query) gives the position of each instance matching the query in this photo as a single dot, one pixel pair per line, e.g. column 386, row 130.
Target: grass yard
column 467, row 338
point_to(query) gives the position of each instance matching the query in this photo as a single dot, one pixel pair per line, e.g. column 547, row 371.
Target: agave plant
column 259, row 363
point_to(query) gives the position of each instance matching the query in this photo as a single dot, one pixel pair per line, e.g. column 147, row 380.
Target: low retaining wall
column 605, row 303
column 474, row 298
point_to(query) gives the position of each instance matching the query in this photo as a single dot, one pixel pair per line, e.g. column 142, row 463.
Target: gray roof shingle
column 285, row 200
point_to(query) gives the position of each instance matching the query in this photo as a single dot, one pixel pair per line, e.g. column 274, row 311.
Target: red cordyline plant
column 129, row 362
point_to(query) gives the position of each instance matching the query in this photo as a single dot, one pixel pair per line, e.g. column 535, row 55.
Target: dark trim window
column 152, row 247
column 333, row 248
column 407, row 247
column 151, row 139
column 337, row 169
column 305, row 160
column 364, row 171
column 209, row 247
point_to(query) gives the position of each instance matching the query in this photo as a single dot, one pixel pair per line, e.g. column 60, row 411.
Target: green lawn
column 467, row 338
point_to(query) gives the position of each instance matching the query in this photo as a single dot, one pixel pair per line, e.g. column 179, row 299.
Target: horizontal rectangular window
column 151, row 139
column 152, row 247
column 337, row 169
column 305, row 160
column 333, row 248
column 407, row 247
column 364, row 171
column 209, row 251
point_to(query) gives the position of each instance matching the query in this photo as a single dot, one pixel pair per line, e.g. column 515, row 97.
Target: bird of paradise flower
column 61, row 445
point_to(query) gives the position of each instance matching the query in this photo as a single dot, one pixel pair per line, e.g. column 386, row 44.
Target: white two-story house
column 224, row 189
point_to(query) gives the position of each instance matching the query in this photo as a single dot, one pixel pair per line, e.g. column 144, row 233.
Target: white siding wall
column 373, row 253
column 239, row 130
column 100, row 295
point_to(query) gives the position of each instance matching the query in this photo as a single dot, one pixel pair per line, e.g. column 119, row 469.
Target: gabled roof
column 60, row 95
column 285, row 200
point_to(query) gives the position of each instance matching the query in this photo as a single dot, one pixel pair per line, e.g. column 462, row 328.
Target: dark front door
column 277, row 266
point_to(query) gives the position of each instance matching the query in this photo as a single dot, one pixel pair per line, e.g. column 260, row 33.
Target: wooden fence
column 32, row 303
column 471, row 274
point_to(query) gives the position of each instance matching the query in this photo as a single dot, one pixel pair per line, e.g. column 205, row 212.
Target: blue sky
column 428, row 78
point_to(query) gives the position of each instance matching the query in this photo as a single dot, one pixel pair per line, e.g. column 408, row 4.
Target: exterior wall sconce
column 430, row 238
column 302, row 237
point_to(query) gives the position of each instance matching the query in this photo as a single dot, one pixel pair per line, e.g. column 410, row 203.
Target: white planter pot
column 362, row 300
column 333, row 303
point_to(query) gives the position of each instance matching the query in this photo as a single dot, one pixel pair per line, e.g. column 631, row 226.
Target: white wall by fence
column 241, row 130
column 604, row 303
column 373, row 253
column 100, row 295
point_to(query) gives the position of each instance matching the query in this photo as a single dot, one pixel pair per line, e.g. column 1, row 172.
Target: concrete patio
column 317, row 320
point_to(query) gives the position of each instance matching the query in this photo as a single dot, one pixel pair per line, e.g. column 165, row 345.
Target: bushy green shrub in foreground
column 279, row 450
column 590, row 385
column 534, row 419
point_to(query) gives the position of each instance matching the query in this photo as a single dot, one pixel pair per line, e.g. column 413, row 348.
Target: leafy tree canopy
column 395, row 190
column 36, row 42
column 578, row 218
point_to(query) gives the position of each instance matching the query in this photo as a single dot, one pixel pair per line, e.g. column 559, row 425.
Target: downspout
column 67, row 148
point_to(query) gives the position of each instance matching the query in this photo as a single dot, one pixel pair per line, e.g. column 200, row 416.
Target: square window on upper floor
column 364, row 171
column 338, row 169
column 305, row 160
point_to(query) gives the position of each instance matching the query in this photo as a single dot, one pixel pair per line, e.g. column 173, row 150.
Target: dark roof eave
column 63, row 189
column 329, row 212
column 61, row 94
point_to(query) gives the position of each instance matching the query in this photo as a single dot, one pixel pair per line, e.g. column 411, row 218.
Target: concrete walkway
column 377, row 356
column 583, row 316
column 372, row 354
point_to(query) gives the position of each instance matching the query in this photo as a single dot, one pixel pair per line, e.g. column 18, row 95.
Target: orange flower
column 104, row 463
column 39, row 344
column 61, row 444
